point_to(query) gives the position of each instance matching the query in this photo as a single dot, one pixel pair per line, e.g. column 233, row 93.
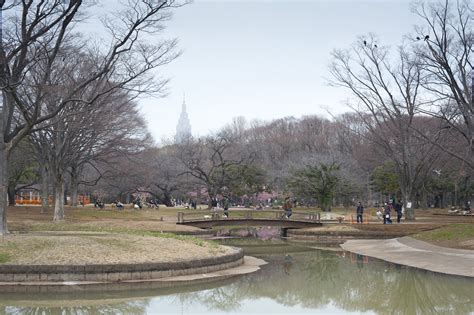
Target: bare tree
column 40, row 146
column 444, row 45
column 85, row 133
column 210, row 160
column 23, row 170
column 162, row 175
column 389, row 94
column 35, row 36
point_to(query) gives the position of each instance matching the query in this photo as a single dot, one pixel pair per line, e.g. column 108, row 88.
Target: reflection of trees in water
column 131, row 308
column 426, row 293
column 387, row 289
column 222, row 298
column 314, row 280
column 318, row 279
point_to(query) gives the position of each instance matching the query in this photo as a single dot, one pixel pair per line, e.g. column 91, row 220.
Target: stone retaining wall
column 118, row 272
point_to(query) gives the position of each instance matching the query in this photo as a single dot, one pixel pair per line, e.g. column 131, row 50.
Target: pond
column 296, row 280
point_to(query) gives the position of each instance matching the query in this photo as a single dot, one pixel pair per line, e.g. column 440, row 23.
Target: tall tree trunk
column 44, row 189
column 74, row 186
column 456, row 193
column 65, row 192
column 3, row 183
column 167, row 199
column 74, row 196
column 407, row 198
column 59, row 214
column 369, row 191
column 424, row 198
column 211, row 195
column 11, row 194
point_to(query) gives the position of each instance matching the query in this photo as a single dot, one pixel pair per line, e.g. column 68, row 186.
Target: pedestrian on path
column 287, row 207
column 398, row 209
column 360, row 212
column 386, row 214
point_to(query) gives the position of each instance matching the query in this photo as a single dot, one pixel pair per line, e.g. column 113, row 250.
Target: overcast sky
column 264, row 59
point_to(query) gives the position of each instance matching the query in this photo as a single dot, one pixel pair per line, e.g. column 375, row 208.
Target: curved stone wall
column 117, row 272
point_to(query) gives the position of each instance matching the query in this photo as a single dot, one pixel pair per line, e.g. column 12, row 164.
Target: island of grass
column 106, row 257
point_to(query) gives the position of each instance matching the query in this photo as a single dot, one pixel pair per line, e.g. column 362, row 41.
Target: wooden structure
column 208, row 219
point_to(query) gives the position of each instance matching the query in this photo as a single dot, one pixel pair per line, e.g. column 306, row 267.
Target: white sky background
column 264, row 59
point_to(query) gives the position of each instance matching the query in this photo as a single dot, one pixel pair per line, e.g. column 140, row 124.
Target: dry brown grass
column 95, row 248
column 30, row 218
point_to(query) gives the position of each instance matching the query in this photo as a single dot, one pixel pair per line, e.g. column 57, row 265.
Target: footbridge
column 208, row 219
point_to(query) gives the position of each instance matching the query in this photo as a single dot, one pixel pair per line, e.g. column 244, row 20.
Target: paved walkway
column 251, row 264
column 410, row 252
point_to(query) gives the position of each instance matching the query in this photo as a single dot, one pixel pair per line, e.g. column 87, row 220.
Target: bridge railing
column 248, row 214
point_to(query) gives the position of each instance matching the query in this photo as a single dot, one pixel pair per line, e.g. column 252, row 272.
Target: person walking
column 398, row 209
column 467, row 208
column 214, row 203
column 287, row 207
column 225, row 205
column 386, row 214
column 360, row 212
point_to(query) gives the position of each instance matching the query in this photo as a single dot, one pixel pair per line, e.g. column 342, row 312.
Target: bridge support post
column 180, row 217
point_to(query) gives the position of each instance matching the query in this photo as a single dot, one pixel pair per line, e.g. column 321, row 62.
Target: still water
column 297, row 280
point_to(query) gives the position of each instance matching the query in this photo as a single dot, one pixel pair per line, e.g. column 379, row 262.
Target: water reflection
column 260, row 233
column 295, row 282
column 132, row 308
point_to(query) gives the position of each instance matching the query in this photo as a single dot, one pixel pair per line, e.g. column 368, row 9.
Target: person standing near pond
column 386, row 214
column 398, row 209
column 360, row 212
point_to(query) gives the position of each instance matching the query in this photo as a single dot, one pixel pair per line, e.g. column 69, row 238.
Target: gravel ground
column 94, row 248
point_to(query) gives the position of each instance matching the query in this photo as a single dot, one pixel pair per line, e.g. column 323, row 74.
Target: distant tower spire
column 183, row 106
column 183, row 129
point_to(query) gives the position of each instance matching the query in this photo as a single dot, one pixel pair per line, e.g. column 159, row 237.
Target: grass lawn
column 99, row 235
column 90, row 248
column 457, row 235
column 30, row 218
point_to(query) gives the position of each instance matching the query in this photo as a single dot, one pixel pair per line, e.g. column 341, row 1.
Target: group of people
column 99, row 204
column 384, row 212
column 467, row 208
column 388, row 208
column 225, row 203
